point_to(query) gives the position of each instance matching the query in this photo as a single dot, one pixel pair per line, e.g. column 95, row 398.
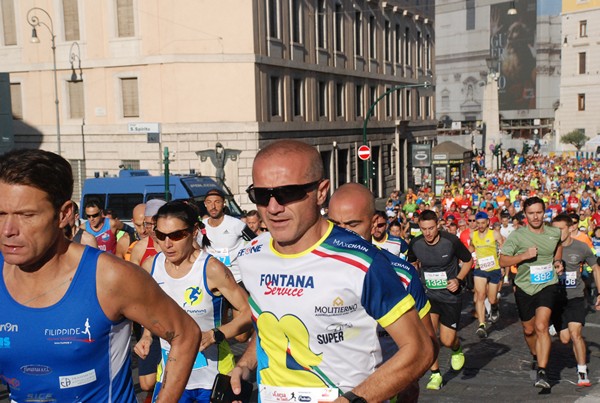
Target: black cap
column 215, row 192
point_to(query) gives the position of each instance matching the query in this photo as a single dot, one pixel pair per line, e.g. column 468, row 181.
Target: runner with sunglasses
column 199, row 283
column 102, row 228
column 317, row 292
column 396, row 246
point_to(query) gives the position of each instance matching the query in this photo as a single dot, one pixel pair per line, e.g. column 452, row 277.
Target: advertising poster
column 512, row 45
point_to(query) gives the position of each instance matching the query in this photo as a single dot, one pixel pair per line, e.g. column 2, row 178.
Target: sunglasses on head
column 173, row 236
column 282, row 194
column 95, row 215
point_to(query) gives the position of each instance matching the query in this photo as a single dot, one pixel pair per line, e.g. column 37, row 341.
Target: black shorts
column 448, row 312
column 527, row 304
column 567, row 311
column 148, row 365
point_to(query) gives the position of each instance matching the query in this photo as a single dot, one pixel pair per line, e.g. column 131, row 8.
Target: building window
column 399, row 96
column 427, row 101
column 419, row 49
column 71, row 19
column 273, row 19
column 445, row 100
column 339, row 28
column 358, row 33
column 9, row 30
column 322, row 24
column 582, row 63
column 125, row 22
column 275, row 90
column 407, row 105
column 323, row 100
column 419, row 106
column 372, row 99
column 339, row 99
column 372, row 37
column 388, row 104
column 298, row 97
column 130, row 164
column 398, row 48
column 407, row 59
column 470, row 15
column 582, row 29
column 428, row 52
column 76, row 104
column 16, row 102
column 387, row 41
column 359, row 104
column 296, row 8
column 129, row 91
column 581, row 102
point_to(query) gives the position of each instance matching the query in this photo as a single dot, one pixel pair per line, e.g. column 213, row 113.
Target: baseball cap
column 215, row 192
column 481, row 215
column 152, row 207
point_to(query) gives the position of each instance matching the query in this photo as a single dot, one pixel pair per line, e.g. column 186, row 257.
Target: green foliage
column 576, row 138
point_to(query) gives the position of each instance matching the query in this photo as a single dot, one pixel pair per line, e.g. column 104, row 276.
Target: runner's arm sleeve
column 383, row 296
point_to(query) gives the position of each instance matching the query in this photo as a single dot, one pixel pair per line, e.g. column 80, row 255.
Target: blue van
column 121, row 194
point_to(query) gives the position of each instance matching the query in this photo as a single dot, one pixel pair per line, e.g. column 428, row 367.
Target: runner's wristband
column 352, row 398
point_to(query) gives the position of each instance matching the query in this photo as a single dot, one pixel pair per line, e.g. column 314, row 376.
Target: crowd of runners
column 351, row 305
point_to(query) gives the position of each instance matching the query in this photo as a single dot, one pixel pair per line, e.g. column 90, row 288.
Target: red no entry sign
column 364, row 152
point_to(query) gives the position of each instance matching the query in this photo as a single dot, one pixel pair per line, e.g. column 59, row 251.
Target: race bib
column 541, row 274
column 223, row 256
column 574, row 205
column 272, row 394
column 436, row 280
column 199, row 363
column 568, row 279
column 487, row 263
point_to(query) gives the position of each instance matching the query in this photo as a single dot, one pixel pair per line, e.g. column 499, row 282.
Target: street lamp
column 34, row 21
column 366, row 175
column 512, row 10
column 72, row 57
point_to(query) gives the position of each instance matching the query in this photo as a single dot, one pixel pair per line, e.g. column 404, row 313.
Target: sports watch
column 353, row 398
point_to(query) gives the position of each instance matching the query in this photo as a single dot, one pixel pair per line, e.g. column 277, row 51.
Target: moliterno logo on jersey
column 337, row 308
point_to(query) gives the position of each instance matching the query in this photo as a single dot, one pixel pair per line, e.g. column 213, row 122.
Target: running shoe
column 435, row 381
column 481, row 331
column 458, row 359
column 542, row 380
column 494, row 315
column 582, row 380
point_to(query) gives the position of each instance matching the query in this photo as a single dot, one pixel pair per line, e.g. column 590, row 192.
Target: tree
column 576, row 138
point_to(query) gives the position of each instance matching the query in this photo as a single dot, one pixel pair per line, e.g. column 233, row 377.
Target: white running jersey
column 316, row 312
column 226, row 241
column 394, row 245
column 192, row 294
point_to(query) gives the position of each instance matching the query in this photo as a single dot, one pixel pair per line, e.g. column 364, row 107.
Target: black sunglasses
column 173, row 236
column 94, row 215
column 283, row 194
column 381, row 225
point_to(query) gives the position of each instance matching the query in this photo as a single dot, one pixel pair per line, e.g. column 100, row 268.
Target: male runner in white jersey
column 227, row 235
column 317, row 293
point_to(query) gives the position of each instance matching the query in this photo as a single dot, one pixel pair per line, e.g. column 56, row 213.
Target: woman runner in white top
column 199, row 283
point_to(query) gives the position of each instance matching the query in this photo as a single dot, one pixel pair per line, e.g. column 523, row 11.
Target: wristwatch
column 219, row 336
column 352, row 398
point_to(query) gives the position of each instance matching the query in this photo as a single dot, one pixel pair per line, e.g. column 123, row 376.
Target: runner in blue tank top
column 67, row 308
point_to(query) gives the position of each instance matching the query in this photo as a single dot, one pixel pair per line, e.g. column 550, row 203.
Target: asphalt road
column 498, row 368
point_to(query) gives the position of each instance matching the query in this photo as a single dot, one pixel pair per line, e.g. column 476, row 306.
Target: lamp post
column 75, row 54
column 366, row 175
column 34, row 21
column 490, row 113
